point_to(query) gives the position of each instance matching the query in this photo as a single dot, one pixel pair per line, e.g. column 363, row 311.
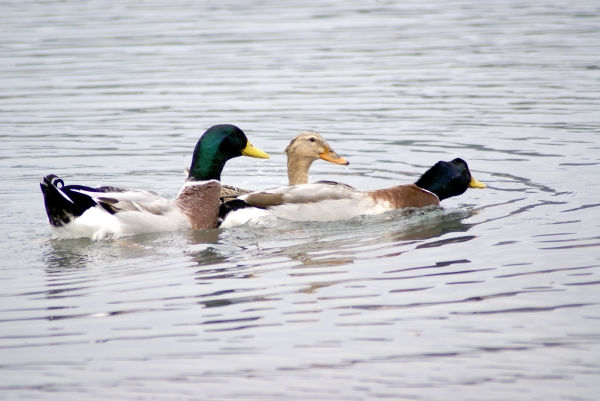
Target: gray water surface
column 492, row 297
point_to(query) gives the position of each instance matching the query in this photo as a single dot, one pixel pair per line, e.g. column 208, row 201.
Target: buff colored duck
column 327, row 201
column 302, row 151
column 77, row 211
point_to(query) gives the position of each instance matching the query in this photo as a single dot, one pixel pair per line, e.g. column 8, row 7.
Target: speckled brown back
column 229, row 192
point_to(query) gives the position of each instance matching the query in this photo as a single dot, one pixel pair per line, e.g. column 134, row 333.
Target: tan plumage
column 301, row 152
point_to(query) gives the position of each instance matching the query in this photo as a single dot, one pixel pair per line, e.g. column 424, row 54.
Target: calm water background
column 494, row 297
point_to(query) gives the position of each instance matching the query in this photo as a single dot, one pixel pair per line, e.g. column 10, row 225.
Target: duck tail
column 63, row 204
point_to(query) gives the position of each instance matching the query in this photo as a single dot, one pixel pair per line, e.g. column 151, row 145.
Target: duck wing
column 322, row 201
column 302, row 194
column 133, row 200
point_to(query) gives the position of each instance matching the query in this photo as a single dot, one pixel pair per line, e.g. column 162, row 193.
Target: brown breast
column 402, row 196
column 200, row 203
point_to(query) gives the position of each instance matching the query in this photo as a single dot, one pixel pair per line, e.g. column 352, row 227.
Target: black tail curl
column 62, row 203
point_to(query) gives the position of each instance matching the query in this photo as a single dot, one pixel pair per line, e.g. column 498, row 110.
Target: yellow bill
column 476, row 184
column 251, row 151
column 332, row 157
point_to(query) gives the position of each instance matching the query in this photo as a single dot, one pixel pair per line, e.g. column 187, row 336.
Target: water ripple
column 492, row 296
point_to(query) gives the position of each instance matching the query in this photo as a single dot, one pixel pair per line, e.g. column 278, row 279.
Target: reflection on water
column 79, row 253
column 493, row 296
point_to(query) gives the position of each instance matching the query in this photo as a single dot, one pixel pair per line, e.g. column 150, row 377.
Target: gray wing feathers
column 305, row 193
column 132, row 201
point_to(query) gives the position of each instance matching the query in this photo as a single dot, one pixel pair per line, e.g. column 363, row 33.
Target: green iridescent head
column 217, row 145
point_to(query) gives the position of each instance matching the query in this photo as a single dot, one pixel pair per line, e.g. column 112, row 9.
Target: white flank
column 97, row 224
column 327, row 210
column 308, row 202
column 247, row 215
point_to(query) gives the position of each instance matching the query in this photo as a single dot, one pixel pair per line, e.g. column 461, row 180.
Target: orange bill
column 332, row 157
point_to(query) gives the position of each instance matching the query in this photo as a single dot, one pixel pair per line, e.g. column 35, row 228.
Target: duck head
column 447, row 179
column 312, row 146
column 217, row 145
column 305, row 149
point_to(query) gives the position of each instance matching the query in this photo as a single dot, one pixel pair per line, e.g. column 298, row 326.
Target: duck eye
column 312, row 139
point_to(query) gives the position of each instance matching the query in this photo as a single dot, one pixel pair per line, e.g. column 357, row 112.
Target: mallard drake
column 327, row 200
column 302, row 151
column 76, row 211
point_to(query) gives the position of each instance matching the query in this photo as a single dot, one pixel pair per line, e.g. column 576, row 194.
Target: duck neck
column 430, row 187
column 207, row 164
column 298, row 170
column 439, row 189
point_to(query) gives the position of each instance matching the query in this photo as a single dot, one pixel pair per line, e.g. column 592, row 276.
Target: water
column 493, row 297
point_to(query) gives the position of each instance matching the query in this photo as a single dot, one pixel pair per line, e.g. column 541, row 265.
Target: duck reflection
column 336, row 243
column 312, row 255
column 81, row 253
column 207, row 257
column 202, row 236
column 72, row 254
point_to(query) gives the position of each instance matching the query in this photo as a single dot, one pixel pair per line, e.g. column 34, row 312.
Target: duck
column 107, row 212
column 301, row 152
column 329, row 200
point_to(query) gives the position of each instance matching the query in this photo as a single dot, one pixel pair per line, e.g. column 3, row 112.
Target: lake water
column 493, row 297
